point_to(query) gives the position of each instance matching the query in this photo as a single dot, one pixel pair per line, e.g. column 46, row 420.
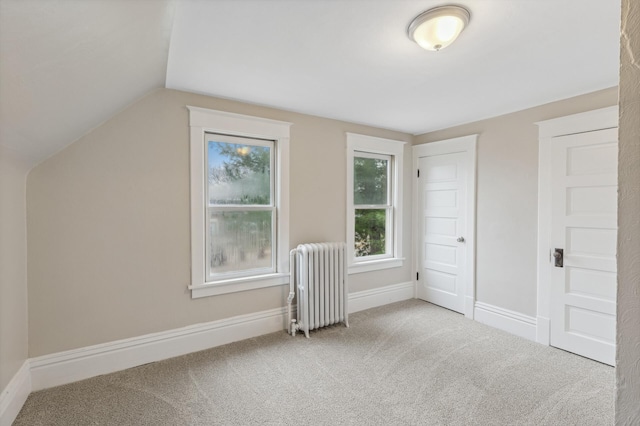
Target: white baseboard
column 15, row 395
column 79, row 364
column 368, row 299
column 506, row 320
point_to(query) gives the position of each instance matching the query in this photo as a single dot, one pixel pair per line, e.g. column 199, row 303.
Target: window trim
column 395, row 149
column 201, row 121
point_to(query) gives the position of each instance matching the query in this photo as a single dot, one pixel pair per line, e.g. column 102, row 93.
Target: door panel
column 584, row 224
column 442, row 214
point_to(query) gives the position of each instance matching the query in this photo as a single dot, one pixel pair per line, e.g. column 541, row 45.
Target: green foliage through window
column 370, row 176
column 370, row 232
column 370, row 188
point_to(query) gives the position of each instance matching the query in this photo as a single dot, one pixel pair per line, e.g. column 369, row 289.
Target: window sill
column 238, row 284
column 375, row 265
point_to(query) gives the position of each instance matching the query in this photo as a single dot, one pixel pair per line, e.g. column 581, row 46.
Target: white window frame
column 201, row 121
column 271, row 207
column 369, row 146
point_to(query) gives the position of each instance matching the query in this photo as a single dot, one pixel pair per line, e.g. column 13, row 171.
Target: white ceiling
column 352, row 60
column 68, row 65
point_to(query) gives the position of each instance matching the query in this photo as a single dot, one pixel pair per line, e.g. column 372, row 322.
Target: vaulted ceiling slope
column 68, row 65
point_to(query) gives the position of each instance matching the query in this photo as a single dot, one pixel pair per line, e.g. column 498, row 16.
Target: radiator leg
column 295, row 327
column 289, row 300
column 305, row 327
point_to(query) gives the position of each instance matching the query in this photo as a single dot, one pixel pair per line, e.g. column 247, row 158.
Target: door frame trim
column 548, row 130
column 464, row 144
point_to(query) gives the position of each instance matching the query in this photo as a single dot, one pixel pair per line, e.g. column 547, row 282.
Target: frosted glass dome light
column 437, row 28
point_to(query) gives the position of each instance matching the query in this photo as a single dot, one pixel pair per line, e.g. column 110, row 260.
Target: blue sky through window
column 215, row 159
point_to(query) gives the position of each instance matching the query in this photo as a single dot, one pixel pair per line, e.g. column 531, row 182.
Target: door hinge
column 417, row 276
column 418, row 172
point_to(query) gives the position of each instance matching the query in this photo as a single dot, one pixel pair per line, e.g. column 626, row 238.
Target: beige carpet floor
column 408, row 363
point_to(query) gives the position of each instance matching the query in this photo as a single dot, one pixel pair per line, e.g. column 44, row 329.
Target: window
column 239, row 202
column 374, row 202
column 241, row 209
column 373, row 209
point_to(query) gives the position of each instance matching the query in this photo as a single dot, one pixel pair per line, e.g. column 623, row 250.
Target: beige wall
column 507, row 192
column 628, row 356
column 109, row 230
column 13, row 265
column 108, row 223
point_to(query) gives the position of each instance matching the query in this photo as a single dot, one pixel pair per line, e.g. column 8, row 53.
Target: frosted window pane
column 239, row 174
column 370, row 176
column 370, row 232
column 240, row 241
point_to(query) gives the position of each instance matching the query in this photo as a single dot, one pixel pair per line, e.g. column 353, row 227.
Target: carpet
column 407, row 363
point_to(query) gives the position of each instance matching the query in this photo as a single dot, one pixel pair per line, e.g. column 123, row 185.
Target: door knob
column 558, row 255
column 460, row 239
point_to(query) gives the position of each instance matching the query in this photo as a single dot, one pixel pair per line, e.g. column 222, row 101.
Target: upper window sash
column 390, row 166
column 234, row 140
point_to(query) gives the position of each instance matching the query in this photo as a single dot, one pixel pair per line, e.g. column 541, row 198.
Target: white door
column 442, row 219
column 584, row 227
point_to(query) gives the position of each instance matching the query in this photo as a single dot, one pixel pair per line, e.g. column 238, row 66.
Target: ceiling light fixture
column 437, row 28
